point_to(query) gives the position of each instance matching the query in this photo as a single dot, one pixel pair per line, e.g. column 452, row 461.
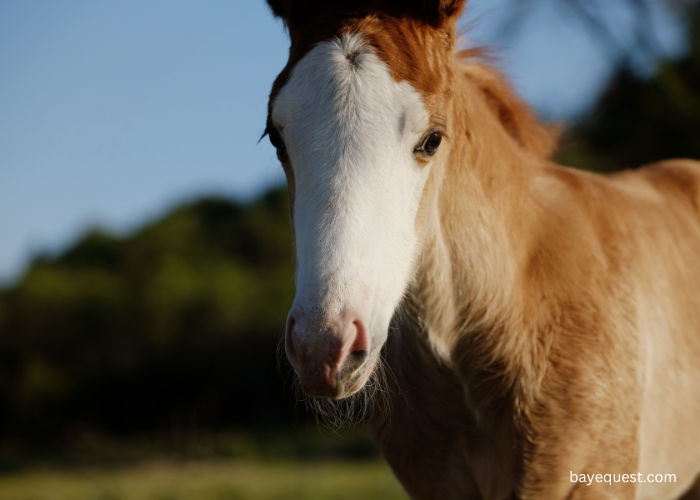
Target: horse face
column 357, row 149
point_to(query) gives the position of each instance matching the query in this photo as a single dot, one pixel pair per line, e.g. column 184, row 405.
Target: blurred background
column 145, row 249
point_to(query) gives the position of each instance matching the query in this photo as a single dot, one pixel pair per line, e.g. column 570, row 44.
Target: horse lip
column 317, row 392
column 320, row 378
column 360, row 377
column 351, row 370
column 349, row 380
column 364, row 377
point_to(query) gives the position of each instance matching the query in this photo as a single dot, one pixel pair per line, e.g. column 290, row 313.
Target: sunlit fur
column 551, row 319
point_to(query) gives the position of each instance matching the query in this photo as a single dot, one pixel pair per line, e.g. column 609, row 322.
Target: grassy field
column 215, row 480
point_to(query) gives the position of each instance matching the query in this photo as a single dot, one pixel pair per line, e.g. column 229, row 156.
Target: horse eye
column 431, row 144
column 276, row 140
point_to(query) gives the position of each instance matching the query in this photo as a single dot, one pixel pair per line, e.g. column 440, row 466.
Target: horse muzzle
column 329, row 355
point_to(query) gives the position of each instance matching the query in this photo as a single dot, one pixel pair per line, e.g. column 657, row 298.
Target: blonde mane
column 513, row 113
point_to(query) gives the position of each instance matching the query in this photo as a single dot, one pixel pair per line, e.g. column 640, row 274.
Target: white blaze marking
column 350, row 131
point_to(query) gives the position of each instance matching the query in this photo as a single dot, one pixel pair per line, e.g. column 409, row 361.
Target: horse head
column 358, row 118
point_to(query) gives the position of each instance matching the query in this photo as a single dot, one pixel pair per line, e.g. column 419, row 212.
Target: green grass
column 215, row 480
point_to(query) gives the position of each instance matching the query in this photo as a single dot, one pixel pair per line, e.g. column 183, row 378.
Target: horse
column 539, row 326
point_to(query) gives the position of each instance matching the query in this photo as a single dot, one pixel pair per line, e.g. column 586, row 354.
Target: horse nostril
column 358, row 357
column 361, row 341
column 355, row 351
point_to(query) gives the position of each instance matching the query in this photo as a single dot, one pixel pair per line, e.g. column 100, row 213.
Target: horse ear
column 439, row 11
column 281, row 8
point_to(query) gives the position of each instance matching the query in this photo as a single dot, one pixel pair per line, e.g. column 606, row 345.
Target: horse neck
column 468, row 286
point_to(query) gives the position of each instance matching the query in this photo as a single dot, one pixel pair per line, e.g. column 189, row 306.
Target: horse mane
column 516, row 117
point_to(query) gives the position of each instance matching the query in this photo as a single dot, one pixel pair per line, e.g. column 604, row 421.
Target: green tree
column 178, row 321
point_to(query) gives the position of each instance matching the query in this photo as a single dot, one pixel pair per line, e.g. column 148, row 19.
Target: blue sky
column 112, row 112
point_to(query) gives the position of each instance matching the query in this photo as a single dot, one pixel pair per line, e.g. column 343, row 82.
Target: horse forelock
column 437, row 13
column 415, row 51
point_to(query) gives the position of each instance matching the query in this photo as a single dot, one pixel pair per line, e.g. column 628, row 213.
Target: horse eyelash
column 265, row 133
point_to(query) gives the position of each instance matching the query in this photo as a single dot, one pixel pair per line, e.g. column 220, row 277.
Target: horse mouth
column 356, row 379
column 362, row 380
column 350, row 379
